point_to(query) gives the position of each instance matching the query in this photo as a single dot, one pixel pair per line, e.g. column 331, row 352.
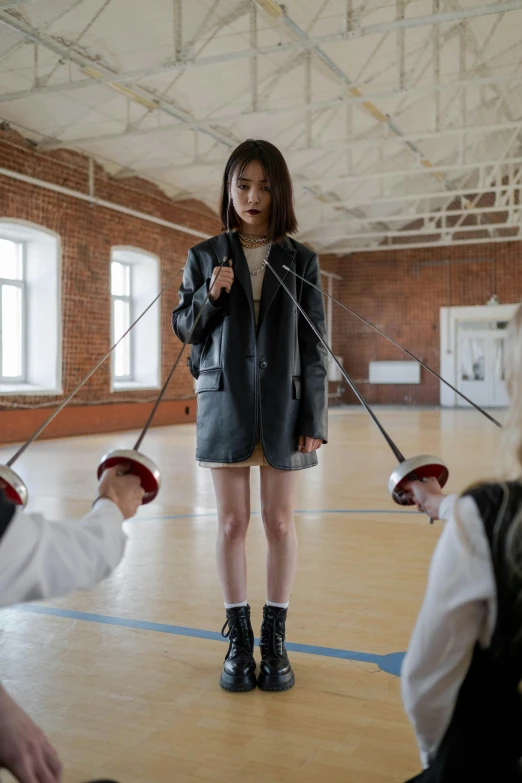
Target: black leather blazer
column 270, row 382
column 7, row 511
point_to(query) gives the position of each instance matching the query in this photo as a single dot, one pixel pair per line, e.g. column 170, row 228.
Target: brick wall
column 87, row 234
column 402, row 292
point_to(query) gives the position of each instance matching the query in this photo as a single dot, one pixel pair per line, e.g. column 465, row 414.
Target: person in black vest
column 462, row 672
column 42, row 559
column 262, row 392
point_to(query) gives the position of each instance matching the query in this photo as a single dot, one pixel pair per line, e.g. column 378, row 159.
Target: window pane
column 127, row 278
column 11, row 331
column 120, row 279
column 122, row 354
column 10, row 260
column 116, row 279
column 473, row 360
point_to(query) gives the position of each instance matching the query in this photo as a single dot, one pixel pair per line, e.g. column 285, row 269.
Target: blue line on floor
column 298, row 511
column 390, row 663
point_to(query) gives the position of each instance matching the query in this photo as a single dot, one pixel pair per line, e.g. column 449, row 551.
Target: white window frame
column 42, row 310
column 145, row 337
column 4, row 281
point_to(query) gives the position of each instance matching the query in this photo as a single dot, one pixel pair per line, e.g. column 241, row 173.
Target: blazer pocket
column 209, row 380
column 296, row 384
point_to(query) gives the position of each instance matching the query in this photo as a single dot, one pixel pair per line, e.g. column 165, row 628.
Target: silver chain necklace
column 258, row 271
column 253, row 238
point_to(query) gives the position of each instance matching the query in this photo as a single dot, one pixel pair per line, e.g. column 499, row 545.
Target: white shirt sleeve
column 459, row 609
column 447, row 507
column 41, row 559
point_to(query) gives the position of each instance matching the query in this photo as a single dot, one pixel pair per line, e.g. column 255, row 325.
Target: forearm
column 41, row 559
column 197, row 308
column 194, row 304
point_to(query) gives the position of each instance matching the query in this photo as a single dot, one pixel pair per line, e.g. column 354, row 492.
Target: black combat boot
column 239, row 671
column 275, row 672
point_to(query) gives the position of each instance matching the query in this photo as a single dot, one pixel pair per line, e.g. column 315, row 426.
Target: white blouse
column 255, row 257
column 459, row 610
column 43, row 559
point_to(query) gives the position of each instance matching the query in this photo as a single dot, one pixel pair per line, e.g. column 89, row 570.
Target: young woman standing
column 262, row 392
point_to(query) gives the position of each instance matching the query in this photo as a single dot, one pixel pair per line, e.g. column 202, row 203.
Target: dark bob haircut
column 283, row 220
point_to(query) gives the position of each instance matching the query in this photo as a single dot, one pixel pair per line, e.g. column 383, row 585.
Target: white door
column 481, row 363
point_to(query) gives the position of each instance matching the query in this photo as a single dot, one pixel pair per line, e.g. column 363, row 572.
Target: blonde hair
column 511, row 442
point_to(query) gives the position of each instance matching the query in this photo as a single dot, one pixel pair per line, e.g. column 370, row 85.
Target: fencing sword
column 412, row 469
column 12, row 484
column 140, row 464
column 398, row 345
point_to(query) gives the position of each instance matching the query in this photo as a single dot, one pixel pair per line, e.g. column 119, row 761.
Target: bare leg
column 232, row 488
column 277, row 508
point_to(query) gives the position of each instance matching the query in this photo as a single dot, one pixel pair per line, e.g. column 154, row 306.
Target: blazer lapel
column 280, row 254
column 228, row 245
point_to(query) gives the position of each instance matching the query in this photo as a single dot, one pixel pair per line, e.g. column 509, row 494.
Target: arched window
column 135, row 276
column 30, row 309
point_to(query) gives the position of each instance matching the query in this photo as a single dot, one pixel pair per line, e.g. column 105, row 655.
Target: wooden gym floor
column 124, row 679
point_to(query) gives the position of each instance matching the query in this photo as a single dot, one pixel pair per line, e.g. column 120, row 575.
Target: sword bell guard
column 140, row 465
column 13, row 487
column 415, row 469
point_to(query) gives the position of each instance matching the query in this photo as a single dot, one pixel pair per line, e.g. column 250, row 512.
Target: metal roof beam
column 425, row 230
column 110, row 78
column 292, row 62
column 139, row 94
column 426, row 195
column 6, row 4
column 406, row 219
column 210, row 26
column 492, row 174
column 480, row 60
column 298, row 109
column 15, row 23
column 342, row 179
column 333, row 147
column 346, row 251
column 495, row 175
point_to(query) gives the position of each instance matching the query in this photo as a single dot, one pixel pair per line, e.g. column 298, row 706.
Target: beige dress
column 255, row 257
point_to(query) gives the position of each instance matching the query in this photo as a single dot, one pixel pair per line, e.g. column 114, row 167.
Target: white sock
column 233, row 606
column 279, row 606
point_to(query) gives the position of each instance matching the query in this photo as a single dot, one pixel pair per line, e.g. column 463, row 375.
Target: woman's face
column 252, row 199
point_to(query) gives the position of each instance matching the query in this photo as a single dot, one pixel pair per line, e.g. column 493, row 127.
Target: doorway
column 481, row 363
column 473, row 353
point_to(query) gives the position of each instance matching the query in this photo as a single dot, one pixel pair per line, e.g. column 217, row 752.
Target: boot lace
column 238, row 632
column 272, row 636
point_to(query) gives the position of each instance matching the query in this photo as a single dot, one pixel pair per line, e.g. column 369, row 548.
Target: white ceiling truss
column 401, row 120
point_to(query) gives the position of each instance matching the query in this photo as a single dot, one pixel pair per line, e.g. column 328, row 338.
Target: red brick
column 87, row 234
